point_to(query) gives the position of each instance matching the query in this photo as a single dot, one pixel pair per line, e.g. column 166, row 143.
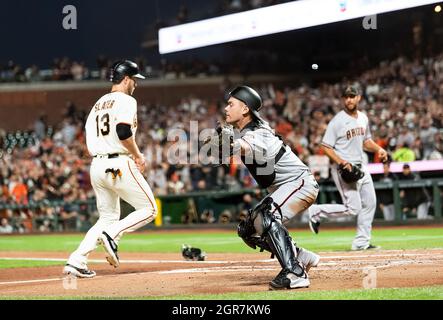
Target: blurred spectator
column 207, row 216
column 319, row 162
column 175, row 185
column 415, row 201
column 403, row 154
column 225, row 217
column 32, row 74
column 40, row 126
column 18, row 190
column 249, row 202
column 386, row 198
column 427, row 136
column 320, row 180
column 5, row 227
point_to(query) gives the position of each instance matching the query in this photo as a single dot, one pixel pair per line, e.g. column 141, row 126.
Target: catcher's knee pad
column 262, row 215
column 247, row 228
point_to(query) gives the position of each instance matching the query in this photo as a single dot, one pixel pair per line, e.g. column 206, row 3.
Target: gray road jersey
column 346, row 135
column 266, row 145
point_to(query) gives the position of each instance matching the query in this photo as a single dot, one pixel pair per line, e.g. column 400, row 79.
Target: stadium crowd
column 403, row 99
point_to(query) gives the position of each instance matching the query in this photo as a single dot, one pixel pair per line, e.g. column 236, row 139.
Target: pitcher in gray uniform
column 291, row 186
column 346, row 138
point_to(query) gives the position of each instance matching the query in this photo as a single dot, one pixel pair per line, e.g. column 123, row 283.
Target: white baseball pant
column 131, row 187
column 291, row 198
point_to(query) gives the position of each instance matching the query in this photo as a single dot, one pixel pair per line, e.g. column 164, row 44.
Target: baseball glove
column 222, row 141
column 190, row 253
column 350, row 176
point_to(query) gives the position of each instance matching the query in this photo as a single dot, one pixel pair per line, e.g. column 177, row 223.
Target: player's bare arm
column 132, row 147
column 335, row 158
column 371, row 146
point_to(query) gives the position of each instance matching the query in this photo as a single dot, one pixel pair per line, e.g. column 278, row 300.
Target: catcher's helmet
column 123, row 68
column 249, row 96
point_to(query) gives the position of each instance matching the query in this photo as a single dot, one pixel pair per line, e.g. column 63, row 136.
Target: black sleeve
column 123, row 131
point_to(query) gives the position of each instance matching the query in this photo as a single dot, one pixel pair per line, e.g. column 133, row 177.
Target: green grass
column 224, row 242
column 421, row 293
column 4, row 264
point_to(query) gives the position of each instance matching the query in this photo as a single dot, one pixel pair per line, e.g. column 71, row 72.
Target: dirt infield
column 142, row 275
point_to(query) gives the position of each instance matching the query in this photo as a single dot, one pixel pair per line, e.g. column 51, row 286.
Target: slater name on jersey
column 104, row 105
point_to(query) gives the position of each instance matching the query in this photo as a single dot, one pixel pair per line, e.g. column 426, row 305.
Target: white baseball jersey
column 111, row 109
column 113, row 178
column 346, row 135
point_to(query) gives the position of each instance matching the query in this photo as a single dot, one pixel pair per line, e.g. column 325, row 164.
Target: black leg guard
column 247, row 232
column 280, row 242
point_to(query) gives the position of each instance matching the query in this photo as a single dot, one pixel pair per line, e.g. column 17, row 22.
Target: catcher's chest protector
column 264, row 180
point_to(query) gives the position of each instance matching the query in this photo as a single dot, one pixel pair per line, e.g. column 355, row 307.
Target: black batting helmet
column 123, row 68
column 249, row 96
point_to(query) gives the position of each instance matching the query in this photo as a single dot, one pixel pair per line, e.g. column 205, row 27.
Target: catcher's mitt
column 350, row 176
column 190, row 253
column 222, row 141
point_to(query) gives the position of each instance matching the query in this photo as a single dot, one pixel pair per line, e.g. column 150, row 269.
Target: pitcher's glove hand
column 222, row 141
column 350, row 176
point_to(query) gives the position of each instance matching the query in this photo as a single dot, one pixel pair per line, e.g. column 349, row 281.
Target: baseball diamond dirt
column 151, row 275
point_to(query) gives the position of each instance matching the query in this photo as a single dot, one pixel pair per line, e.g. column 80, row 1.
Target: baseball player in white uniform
column 345, row 139
column 116, row 170
column 291, row 186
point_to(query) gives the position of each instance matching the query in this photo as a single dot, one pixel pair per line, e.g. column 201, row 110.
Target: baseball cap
column 351, row 90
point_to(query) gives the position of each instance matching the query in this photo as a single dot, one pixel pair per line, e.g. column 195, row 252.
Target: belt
column 109, row 155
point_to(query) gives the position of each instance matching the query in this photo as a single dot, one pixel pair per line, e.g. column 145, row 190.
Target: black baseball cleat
column 69, row 269
column 111, row 249
column 367, row 247
column 288, row 280
column 314, row 225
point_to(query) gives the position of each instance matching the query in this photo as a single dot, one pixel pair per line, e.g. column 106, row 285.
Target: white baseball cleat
column 111, row 249
column 307, row 258
column 69, row 269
